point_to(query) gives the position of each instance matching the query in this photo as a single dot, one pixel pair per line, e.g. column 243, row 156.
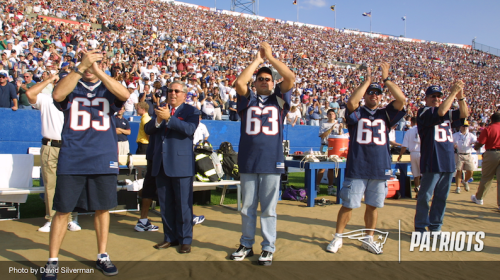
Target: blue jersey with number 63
column 369, row 152
column 261, row 141
column 89, row 132
column 436, row 150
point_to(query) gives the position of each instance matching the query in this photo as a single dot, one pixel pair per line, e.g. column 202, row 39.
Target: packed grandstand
column 162, row 40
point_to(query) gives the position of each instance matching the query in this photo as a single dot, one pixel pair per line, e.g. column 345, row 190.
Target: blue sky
column 445, row 21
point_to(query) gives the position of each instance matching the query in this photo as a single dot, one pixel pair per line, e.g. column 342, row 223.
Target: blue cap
column 434, row 89
column 374, row 86
column 64, row 64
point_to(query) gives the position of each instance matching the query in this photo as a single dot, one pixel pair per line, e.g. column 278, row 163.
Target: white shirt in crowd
column 200, row 133
column 52, row 118
column 464, row 142
column 411, row 140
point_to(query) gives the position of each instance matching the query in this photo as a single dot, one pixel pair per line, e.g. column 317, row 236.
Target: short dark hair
column 413, row 120
column 495, row 117
column 330, row 110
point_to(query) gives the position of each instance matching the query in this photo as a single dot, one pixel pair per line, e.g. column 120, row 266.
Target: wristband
column 461, row 99
column 386, row 79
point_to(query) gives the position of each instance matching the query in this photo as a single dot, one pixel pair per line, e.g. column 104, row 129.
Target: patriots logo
column 435, row 88
column 379, row 238
column 91, row 95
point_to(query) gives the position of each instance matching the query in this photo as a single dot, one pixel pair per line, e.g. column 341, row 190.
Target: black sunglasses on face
column 174, row 90
column 260, row 79
column 435, row 96
column 372, row 92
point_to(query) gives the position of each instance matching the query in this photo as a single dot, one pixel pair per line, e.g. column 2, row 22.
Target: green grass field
column 35, row 207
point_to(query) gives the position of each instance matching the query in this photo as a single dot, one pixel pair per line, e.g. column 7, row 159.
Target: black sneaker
column 105, row 265
column 50, row 270
column 242, row 253
column 266, row 258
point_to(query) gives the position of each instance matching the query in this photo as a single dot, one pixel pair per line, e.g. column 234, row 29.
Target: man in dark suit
column 173, row 166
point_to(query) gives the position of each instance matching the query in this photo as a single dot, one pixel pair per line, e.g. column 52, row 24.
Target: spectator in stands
column 8, row 96
column 22, row 87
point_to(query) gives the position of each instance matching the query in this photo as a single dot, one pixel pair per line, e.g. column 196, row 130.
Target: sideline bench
column 16, row 183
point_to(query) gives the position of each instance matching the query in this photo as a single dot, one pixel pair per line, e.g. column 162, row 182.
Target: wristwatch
column 77, row 70
column 386, row 79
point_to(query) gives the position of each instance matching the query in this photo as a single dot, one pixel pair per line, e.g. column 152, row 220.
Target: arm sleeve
column 394, row 115
column 483, row 137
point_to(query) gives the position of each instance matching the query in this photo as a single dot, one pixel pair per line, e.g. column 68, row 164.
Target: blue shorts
column 353, row 190
column 88, row 192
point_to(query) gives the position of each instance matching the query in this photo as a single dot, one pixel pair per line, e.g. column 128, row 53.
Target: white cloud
column 317, row 3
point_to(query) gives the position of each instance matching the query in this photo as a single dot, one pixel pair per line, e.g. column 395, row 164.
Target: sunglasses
column 261, row 79
column 3, row 77
column 372, row 92
column 174, row 90
column 26, row 76
column 435, row 96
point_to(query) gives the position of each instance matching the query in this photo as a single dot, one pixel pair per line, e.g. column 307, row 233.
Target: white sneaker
column 370, row 245
column 335, row 245
column 241, row 253
column 466, row 185
column 457, row 190
column 74, row 226
column 332, row 190
column 45, row 228
column 475, row 200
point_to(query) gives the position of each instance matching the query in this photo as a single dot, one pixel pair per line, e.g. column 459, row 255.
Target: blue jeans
column 437, row 184
column 25, row 107
column 263, row 187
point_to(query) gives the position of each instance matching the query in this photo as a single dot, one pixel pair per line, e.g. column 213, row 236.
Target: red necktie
column 172, row 112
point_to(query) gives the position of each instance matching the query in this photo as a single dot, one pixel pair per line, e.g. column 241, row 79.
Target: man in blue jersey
column 437, row 158
column 260, row 156
column 368, row 165
column 88, row 158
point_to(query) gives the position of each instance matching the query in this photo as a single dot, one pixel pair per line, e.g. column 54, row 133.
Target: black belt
column 493, row 150
column 463, row 154
column 52, row 143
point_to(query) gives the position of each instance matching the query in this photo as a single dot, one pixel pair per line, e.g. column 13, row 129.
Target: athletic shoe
column 466, row 186
column 475, row 200
column 416, row 189
column 241, row 253
column 50, row 271
column 74, row 226
column 45, row 228
column 457, row 190
column 317, row 189
column 335, row 245
column 370, row 245
column 198, row 219
column 332, row 190
column 145, row 227
column 105, row 265
column 266, row 258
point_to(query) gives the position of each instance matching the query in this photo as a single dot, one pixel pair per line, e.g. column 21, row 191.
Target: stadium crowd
column 145, row 49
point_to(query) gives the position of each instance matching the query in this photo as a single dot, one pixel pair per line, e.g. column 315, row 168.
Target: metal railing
column 484, row 48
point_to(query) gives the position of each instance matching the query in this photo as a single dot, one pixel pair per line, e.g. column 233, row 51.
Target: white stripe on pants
column 263, row 187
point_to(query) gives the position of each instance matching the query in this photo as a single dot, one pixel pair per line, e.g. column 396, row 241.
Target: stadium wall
column 21, row 129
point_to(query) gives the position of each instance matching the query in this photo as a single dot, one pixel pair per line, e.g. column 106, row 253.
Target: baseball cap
column 434, row 89
column 131, row 85
column 64, row 64
column 374, row 86
column 4, row 73
column 265, row 70
column 466, row 123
